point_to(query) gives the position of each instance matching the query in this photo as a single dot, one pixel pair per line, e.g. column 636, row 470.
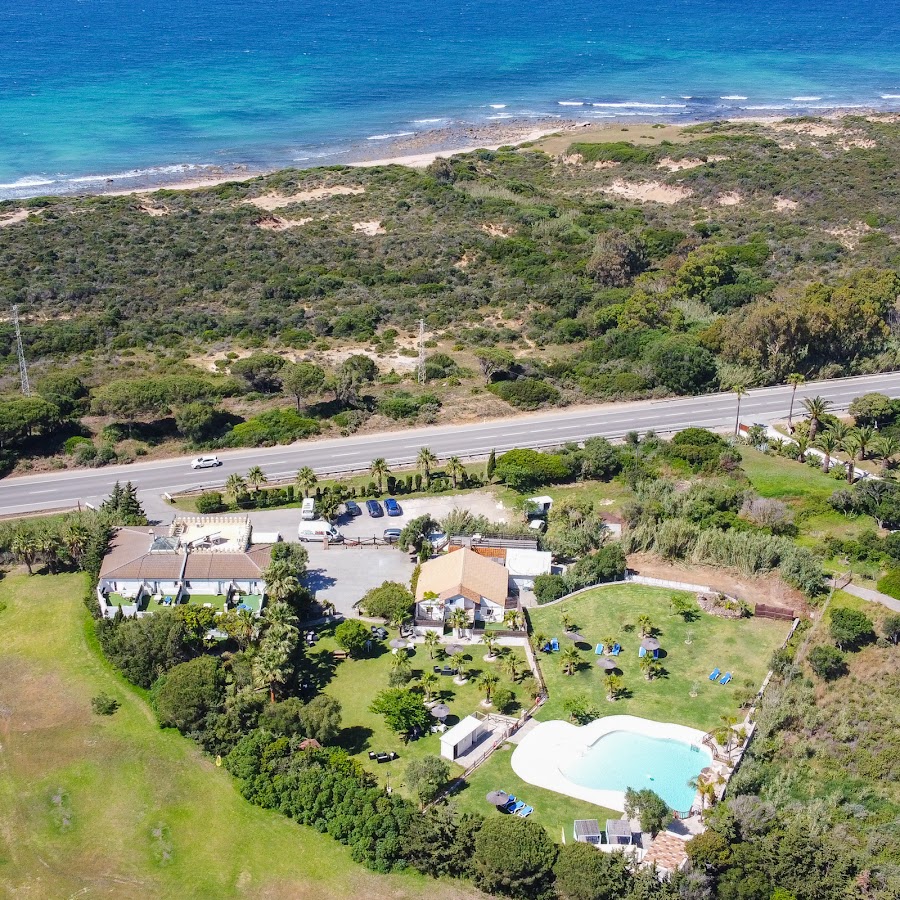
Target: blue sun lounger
column 616, row 650
column 516, row 809
column 725, row 678
column 526, row 812
column 714, row 674
column 554, row 645
column 599, row 650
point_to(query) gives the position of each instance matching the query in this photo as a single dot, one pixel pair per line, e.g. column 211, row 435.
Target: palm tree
column 609, row 643
column 281, row 582
column 816, row 409
column 538, row 640
column 24, row 547
column 614, row 685
column 256, row 478
column 740, row 390
column 644, row 624
column 567, row 623
column 458, row 620
column 864, row 436
column 235, row 484
column 840, row 430
column 429, row 682
column 828, row 444
column 490, row 644
column 802, row 443
column 649, row 666
column 279, row 613
column 379, row 470
column 328, row 505
column 487, row 681
column 458, row 662
column 306, row 480
column 570, row 659
column 270, row 667
column 885, row 448
column 511, row 664
column 401, row 668
column 850, row 445
column 432, row 642
column 795, row 379
column 244, row 627
column 455, row 469
column 514, row 619
column 76, row 537
column 706, row 788
column 725, row 733
column 425, row 460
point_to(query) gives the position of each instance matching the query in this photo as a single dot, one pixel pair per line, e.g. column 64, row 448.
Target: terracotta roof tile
column 667, row 851
column 464, row 570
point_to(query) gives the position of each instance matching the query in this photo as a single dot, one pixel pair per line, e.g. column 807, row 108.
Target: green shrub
column 616, row 151
column 73, row 443
column 210, row 502
column 525, row 393
column 890, row 584
column 548, row 588
column 276, row 426
column 104, row 705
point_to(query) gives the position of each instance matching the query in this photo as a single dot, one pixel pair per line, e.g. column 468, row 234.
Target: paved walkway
column 872, row 596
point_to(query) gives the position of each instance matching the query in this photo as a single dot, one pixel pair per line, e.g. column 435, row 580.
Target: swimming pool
column 625, row 759
column 597, row 762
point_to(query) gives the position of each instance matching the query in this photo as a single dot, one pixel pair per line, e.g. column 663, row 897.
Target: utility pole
column 23, row 370
column 421, row 351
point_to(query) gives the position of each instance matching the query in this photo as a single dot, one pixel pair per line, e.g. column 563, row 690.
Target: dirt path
column 768, row 589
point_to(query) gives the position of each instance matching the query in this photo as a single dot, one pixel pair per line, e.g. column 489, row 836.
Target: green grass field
column 91, row 805
column 355, row 682
column 741, row 646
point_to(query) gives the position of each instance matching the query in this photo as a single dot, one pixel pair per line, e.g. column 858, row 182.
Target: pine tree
column 130, row 510
column 491, row 464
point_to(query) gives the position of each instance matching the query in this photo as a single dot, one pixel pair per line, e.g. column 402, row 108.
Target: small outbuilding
column 587, row 831
column 462, row 737
column 618, row 831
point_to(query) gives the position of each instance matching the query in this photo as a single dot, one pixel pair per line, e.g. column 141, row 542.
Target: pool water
column 625, row 759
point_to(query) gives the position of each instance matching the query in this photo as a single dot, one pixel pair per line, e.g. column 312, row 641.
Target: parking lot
column 343, row 573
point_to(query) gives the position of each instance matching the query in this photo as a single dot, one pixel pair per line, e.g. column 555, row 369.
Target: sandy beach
column 418, row 150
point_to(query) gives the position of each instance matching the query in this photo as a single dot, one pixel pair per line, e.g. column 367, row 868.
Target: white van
column 318, row 531
column 308, row 510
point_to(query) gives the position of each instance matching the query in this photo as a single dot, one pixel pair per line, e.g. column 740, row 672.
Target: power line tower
column 421, row 351
column 23, row 369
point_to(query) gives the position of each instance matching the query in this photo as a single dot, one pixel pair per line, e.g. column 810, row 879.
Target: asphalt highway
column 66, row 489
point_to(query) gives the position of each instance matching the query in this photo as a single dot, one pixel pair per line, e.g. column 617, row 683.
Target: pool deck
column 549, row 748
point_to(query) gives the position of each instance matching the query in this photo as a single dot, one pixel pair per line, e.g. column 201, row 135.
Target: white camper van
column 318, row 531
column 308, row 510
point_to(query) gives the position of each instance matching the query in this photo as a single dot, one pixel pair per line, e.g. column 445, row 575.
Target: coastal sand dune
column 20, row 215
column 371, row 228
column 649, row 191
column 275, row 200
column 681, row 165
column 731, row 198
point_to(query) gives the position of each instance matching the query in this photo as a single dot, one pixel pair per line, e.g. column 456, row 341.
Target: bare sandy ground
column 274, row 200
column 20, row 215
column 648, row 191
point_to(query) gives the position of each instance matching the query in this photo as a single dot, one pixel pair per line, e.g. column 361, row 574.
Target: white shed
column 462, row 737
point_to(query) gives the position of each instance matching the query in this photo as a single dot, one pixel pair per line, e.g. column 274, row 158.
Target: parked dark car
column 374, row 508
column 392, row 507
column 352, row 508
column 392, row 535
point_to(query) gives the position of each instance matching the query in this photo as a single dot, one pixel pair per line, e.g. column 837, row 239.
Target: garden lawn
column 786, row 479
column 555, row 812
column 93, row 805
column 356, row 682
column 742, row 647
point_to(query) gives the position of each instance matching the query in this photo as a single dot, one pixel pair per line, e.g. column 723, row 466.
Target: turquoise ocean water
column 144, row 90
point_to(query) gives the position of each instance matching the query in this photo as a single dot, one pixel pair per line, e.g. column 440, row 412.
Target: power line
column 23, row 369
column 421, row 351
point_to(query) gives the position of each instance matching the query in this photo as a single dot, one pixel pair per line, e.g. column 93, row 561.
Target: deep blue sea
column 150, row 89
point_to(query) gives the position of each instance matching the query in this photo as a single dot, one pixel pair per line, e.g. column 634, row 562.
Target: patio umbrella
column 440, row 710
column 650, row 643
column 452, row 649
column 497, row 798
column 398, row 644
column 575, row 636
column 607, row 664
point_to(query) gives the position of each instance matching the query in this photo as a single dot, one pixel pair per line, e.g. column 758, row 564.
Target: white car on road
column 206, row 462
